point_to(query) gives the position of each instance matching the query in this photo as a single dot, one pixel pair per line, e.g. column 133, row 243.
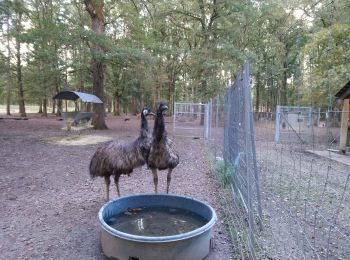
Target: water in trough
column 156, row 221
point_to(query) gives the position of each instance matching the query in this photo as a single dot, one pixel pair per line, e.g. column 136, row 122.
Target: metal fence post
column 278, row 123
column 174, row 118
column 206, row 121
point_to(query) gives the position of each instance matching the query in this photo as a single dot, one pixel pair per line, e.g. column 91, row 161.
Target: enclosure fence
column 285, row 198
column 305, row 189
column 238, row 169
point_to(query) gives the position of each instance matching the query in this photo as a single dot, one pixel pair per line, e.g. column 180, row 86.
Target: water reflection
column 157, row 221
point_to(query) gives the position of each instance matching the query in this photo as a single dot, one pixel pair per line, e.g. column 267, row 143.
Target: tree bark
column 95, row 10
column 8, row 81
column 257, row 98
column 157, row 91
column 284, row 83
column 116, row 104
column 109, row 105
column 22, row 109
column 44, row 107
column 40, row 106
column 57, row 102
column 171, row 92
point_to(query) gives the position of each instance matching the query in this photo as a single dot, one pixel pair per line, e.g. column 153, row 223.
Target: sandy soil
column 49, row 204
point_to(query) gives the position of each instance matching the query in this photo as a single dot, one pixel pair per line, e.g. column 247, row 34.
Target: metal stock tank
column 192, row 245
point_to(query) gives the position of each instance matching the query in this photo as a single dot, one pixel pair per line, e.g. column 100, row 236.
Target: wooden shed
column 343, row 95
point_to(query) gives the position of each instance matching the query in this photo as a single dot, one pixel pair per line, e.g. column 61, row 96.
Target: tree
column 6, row 17
column 19, row 10
column 326, row 54
column 95, row 10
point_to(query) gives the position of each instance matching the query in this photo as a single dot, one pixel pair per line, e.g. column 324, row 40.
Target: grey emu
column 162, row 154
column 115, row 158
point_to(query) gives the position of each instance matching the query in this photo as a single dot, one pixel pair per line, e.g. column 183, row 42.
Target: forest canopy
column 177, row 50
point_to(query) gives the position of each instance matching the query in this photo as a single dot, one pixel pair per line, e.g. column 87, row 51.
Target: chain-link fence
column 303, row 182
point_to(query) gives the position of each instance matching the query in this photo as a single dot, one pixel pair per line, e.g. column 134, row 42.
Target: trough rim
column 157, row 239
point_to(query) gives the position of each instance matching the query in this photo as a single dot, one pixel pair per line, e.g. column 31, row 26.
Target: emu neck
column 159, row 127
column 144, row 126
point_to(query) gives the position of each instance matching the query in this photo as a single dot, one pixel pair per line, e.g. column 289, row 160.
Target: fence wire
column 281, row 200
column 238, row 169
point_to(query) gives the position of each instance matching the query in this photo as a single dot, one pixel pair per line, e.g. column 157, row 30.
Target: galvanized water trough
column 192, row 245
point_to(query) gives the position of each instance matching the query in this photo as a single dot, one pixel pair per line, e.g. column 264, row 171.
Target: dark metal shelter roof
column 344, row 92
column 74, row 95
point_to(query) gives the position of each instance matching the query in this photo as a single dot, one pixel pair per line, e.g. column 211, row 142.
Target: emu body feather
column 162, row 154
column 117, row 158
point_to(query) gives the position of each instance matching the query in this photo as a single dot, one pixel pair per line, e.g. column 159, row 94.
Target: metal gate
column 192, row 120
column 293, row 122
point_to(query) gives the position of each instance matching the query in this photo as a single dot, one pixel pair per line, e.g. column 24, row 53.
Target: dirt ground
column 49, row 204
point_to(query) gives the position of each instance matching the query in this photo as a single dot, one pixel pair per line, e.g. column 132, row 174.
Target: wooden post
column 344, row 125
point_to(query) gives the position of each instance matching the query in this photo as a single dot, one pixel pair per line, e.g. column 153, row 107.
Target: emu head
column 146, row 111
column 162, row 107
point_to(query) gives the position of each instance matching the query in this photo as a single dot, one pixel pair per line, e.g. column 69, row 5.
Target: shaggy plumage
column 116, row 158
column 162, row 154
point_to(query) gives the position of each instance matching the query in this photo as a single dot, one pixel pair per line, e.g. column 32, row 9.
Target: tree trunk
column 8, row 81
column 54, row 107
column 142, row 100
column 40, row 106
column 171, row 91
column 157, row 93
column 95, row 10
column 44, row 107
column 116, row 104
column 284, row 84
column 57, row 102
column 109, row 105
column 134, row 108
column 257, row 98
column 22, row 109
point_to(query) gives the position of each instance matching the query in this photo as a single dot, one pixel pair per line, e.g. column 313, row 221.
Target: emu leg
column 155, row 180
column 116, row 181
column 108, row 182
column 168, row 179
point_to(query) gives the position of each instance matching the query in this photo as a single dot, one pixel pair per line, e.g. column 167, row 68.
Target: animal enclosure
column 50, row 203
column 304, row 185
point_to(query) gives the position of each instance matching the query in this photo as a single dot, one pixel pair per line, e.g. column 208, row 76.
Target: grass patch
column 224, row 173
column 78, row 140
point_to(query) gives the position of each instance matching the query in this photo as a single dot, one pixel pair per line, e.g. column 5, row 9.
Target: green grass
column 223, row 173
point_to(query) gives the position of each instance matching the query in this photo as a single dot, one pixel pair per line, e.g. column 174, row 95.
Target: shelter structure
column 77, row 116
column 343, row 95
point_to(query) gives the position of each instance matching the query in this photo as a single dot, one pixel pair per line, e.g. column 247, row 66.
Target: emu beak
column 151, row 113
column 166, row 108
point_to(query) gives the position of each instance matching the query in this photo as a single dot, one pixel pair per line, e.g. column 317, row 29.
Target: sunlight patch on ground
column 78, row 140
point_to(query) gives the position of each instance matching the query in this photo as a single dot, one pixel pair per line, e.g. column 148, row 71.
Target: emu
column 115, row 158
column 162, row 154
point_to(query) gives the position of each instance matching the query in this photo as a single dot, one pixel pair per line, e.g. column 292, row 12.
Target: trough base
column 196, row 248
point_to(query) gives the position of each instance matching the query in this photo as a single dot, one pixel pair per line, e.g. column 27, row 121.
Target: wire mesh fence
column 232, row 123
column 301, row 182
